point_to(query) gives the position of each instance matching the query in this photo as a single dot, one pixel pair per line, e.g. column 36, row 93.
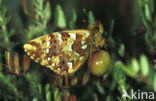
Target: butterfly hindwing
column 63, row 52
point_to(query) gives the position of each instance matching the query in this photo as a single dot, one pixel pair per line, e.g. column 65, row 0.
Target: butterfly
column 65, row 52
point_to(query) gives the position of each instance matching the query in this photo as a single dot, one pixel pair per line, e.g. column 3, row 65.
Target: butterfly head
column 97, row 30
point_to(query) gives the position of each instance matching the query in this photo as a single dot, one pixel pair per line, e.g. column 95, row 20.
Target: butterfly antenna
column 85, row 12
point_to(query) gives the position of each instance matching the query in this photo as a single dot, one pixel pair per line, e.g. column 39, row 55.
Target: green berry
column 99, row 62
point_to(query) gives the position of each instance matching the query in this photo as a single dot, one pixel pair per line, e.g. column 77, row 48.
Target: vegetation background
column 130, row 30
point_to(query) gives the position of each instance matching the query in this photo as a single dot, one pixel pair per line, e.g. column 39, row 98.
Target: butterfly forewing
column 63, row 52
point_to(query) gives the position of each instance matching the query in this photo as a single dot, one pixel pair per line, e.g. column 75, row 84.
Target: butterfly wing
column 63, row 52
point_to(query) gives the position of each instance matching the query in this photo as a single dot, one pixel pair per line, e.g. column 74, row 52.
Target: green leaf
column 35, row 99
column 38, row 12
column 111, row 27
column 40, row 89
column 48, row 96
column 57, row 96
column 108, row 98
column 99, row 88
column 135, row 65
column 85, row 78
column 141, row 11
column 126, row 69
column 47, row 87
column 154, row 82
column 151, row 5
column 147, row 12
column 91, row 18
column 38, row 4
column 73, row 19
column 121, row 82
column 148, row 42
column 47, row 11
column 121, row 50
column 117, row 72
column 151, row 74
column 60, row 19
column 144, row 65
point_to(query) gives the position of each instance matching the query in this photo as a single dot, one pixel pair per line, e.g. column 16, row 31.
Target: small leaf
column 47, row 87
column 121, row 50
column 73, row 19
column 151, row 75
column 57, row 96
column 38, row 12
column 17, row 64
column 147, row 12
column 91, row 18
column 9, row 61
column 99, row 88
column 85, row 78
column 47, row 11
column 26, row 63
column 144, row 65
column 111, row 28
column 108, row 98
column 154, row 82
column 40, row 89
column 74, row 81
column 48, row 96
column 35, row 99
column 126, row 69
column 135, row 65
column 60, row 19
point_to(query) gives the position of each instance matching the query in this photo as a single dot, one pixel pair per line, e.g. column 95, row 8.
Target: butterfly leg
column 91, row 51
column 59, row 83
column 66, row 81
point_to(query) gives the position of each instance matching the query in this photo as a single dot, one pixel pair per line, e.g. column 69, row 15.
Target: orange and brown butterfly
column 64, row 52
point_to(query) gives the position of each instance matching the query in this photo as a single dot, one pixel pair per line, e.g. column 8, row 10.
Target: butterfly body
column 63, row 52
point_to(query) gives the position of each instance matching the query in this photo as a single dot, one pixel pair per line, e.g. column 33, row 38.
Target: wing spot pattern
column 48, row 43
column 84, row 47
column 47, row 50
